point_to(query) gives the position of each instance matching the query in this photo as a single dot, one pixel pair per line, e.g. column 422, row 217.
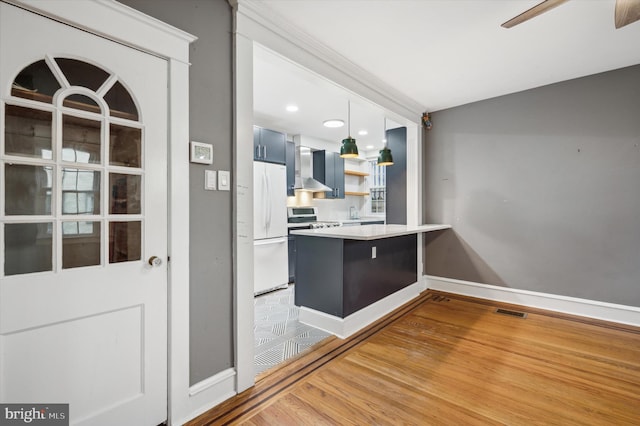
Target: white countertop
column 369, row 232
column 363, row 219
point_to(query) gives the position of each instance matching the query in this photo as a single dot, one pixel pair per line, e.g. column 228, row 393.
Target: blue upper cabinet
column 269, row 146
column 396, row 176
column 328, row 168
column 291, row 167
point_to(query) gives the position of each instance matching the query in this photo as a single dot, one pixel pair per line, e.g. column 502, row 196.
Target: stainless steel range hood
column 303, row 171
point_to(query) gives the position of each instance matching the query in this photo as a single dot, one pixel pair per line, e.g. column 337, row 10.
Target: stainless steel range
column 318, row 225
column 302, row 218
column 306, row 218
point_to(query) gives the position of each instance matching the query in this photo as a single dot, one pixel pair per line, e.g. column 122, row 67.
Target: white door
column 83, row 207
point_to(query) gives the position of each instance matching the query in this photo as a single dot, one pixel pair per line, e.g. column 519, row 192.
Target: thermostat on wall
column 201, row 152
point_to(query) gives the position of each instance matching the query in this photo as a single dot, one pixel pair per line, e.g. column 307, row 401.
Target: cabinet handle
column 265, row 152
column 258, row 151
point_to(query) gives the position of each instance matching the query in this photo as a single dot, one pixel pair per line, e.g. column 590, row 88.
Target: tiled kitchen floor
column 277, row 332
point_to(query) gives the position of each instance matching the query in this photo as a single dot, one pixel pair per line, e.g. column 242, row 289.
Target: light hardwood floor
column 445, row 359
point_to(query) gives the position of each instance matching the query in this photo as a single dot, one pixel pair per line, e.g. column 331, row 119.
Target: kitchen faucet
column 353, row 213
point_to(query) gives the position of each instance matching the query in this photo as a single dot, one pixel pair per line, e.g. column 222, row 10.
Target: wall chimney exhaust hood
column 303, row 172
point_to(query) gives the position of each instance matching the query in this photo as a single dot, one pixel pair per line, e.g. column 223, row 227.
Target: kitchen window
column 377, row 188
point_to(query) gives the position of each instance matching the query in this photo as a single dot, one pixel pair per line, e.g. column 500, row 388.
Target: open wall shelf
column 355, row 173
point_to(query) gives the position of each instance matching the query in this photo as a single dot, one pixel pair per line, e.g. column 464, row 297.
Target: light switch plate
column 210, row 180
column 224, row 180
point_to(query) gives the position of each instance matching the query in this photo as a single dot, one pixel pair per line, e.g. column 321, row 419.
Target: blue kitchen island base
column 341, row 276
column 345, row 327
column 348, row 277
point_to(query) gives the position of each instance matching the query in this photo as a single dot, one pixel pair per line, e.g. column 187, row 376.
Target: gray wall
column 210, row 92
column 542, row 189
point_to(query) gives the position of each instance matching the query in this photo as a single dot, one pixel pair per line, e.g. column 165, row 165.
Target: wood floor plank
column 374, row 397
column 340, row 410
column 567, row 361
column 290, row 410
column 445, row 359
column 600, row 342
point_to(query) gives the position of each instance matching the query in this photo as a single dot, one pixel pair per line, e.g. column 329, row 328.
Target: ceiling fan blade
column 535, row 11
column 627, row 11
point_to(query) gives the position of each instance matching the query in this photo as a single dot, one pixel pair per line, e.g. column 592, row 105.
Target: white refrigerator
column 270, row 250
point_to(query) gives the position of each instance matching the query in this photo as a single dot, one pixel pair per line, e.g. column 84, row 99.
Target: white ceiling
column 440, row 53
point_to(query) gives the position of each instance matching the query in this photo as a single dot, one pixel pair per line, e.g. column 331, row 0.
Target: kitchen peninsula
column 347, row 277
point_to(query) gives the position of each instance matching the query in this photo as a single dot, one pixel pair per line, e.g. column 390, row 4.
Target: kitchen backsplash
column 338, row 209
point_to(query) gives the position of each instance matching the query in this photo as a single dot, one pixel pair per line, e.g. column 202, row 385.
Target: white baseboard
column 570, row 305
column 345, row 327
column 210, row 392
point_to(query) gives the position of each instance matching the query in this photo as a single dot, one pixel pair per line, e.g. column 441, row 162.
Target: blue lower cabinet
column 340, row 276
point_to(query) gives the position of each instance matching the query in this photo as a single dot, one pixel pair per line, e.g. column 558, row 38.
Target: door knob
column 155, row 261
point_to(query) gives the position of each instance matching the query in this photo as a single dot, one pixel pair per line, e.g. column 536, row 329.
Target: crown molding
column 260, row 23
column 117, row 22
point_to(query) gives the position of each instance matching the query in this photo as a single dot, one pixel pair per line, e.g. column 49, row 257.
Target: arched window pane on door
column 27, row 132
column 35, row 82
column 83, row 74
column 121, row 103
column 81, row 102
column 54, row 163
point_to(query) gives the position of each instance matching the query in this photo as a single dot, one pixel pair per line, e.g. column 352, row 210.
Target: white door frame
column 125, row 25
column 254, row 22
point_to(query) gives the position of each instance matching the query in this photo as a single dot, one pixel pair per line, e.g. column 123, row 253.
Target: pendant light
column 384, row 156
column 349, row 149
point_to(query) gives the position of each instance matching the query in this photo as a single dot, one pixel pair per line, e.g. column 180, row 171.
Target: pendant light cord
column 349, row 118
column 384, row 132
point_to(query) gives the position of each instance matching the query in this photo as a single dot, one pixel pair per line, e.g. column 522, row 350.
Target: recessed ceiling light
column 369, row 147
column 334, row 122
column 363, row 132
column 292, row 108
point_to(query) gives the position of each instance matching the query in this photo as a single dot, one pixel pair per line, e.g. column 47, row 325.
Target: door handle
column 155, row 261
